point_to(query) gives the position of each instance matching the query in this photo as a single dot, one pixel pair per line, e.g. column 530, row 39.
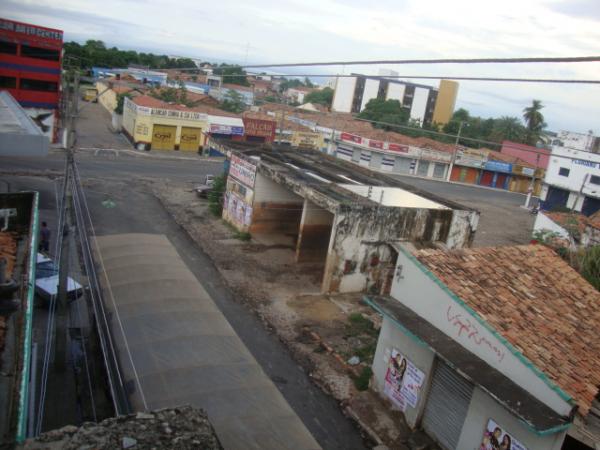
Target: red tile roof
column 533, row 298
column 151, row 102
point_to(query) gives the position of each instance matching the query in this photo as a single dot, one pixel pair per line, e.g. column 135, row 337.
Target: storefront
column 259, row 130
column 496, row 174
column 467, row 165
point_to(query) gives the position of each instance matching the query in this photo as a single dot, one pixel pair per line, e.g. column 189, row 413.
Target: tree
column 507, row 129
column 232, row 74
column 534, row 122
column 322, row 97
column 308, row 83
column 121, row 101
column 388, row 111
column 233, row 102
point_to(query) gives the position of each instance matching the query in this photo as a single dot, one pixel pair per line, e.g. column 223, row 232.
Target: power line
column 572, row 59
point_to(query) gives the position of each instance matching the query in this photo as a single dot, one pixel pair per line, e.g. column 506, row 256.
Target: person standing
column 44, row 238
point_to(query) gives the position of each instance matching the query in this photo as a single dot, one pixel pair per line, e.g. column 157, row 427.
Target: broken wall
column 359, row 252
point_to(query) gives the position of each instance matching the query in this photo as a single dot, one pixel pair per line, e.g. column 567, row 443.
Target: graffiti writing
column 467, row 328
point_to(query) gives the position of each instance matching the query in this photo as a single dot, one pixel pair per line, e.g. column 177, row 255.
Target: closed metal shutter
column 163, row 137
column 447, row 406
column 402, row 165
column 190, row 139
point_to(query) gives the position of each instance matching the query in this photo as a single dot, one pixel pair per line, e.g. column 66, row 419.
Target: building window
column 38, row 85
column 563, row 171
column 595, row 179
column 8, row 82
column 9, row 48
column 40, row 53
column 439, row 170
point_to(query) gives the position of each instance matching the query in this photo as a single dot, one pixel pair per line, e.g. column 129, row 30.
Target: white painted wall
column 395, row 91
column 482, row 408
column 580, row 164
column 266, row 190
column 419, row 104
column 578, row 141
column 343, row 95
column 370, row 91
column 421, row 294
column 391, row 337
column 543, row 222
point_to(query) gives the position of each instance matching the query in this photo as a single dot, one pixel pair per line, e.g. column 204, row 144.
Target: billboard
column 260, row 128
column 471, row 158
column 243, row 171
column 398, row 148
column 351, row 138
column 307, row 140
column 226, row 129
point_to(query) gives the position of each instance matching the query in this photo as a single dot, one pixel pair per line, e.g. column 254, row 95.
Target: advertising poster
column 496, row 438
column 403, row 381
column 242, row 170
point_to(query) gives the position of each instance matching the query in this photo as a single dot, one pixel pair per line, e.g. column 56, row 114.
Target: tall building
column 30, row 69
column 353, row 93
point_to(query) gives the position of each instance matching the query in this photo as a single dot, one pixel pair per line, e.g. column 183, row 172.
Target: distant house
column 221, row 92
column 297, row 94
column 481, row 343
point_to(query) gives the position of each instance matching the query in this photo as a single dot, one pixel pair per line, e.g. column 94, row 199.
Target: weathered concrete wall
column 315, row 233
column 360, row 236
column 275, row 208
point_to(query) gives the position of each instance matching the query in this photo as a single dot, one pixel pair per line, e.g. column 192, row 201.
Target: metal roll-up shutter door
column 447, row 406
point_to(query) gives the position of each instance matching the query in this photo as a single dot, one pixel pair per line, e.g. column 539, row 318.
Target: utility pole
column 532, row 183
column 452, row 161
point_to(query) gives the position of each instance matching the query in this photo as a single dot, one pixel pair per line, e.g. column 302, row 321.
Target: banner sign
column 498, row 166
column 435, row 155
column 471, row 158
column 307, row 140
column 403, row 381
column 242, row 170
column 375, row 144
column 398, row 148
column 351, row 138
column 261, row 128
column 226, row 129
column 30, row 30
column 494, row 437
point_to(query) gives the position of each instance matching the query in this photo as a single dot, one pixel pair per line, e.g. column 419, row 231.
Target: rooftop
column 151, row 102
column 393, row 196
column 533, row 298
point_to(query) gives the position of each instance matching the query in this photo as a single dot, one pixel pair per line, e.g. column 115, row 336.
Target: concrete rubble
column 182, row 428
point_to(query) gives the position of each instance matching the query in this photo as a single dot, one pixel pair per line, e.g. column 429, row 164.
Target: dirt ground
column 323, row 332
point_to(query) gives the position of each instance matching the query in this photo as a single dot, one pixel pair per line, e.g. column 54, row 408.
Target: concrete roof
column 19, row 134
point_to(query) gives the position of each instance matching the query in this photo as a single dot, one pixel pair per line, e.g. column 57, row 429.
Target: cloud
column 586, row 9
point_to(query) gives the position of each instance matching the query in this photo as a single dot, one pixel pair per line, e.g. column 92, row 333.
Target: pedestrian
column 44, row 238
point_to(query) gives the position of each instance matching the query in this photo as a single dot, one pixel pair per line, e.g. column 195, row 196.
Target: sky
column 282, row 31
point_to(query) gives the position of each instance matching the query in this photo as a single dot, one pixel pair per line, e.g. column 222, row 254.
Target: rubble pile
column 181, row 428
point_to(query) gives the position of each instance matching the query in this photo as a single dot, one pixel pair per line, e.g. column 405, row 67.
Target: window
column 40, row 53
column 8, row 47
column 595, row 179
column 38, row 85
column 439, row 170
column 563, row 171
column 8, row 82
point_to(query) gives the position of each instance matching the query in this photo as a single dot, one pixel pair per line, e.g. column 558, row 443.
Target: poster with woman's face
column 403, row 381
column 496, row 438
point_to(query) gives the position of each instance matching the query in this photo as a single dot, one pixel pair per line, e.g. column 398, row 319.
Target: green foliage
column 233, row 102
column 242, row 235
column 359, row 324
column 215, row 196
column 322, row 97
column 173, row 95
column 388, row 111
column 294, row 83
column 534, row 122
column 232, row 74
column 121, row 102
column 590, row 266
column 95, row 53
column 362, row 380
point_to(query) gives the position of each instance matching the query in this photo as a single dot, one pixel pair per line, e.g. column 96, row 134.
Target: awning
column 225, row 125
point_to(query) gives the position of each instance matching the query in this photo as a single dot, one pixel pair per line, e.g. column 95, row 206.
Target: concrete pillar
column 314, row 234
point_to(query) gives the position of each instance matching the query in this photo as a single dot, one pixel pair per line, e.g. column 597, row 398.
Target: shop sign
column 498, row 166
column 174, row 114
column 226, row 129
column 30, row 30
column 375, row 144
column 261, row 128
column 434, row 155
column 351, row 138
column 403, row 381
column 470, row 158
column 242, row 170
column 398, row 148
column 496, row 438
column 307, row 140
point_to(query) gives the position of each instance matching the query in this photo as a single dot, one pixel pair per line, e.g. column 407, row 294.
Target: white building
column 465, row 353
column 578, row 141
column 297, row 94
column 572, row 181
column 353, row 93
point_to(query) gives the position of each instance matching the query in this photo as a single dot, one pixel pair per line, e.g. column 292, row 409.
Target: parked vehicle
column 46, row 280
column 203, row 190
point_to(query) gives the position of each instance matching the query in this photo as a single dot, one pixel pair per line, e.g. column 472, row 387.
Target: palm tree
column 508, row 128
column 534, row 121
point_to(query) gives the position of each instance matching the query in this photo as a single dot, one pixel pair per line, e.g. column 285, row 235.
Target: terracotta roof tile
column 151, row 102
column 537, row 302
